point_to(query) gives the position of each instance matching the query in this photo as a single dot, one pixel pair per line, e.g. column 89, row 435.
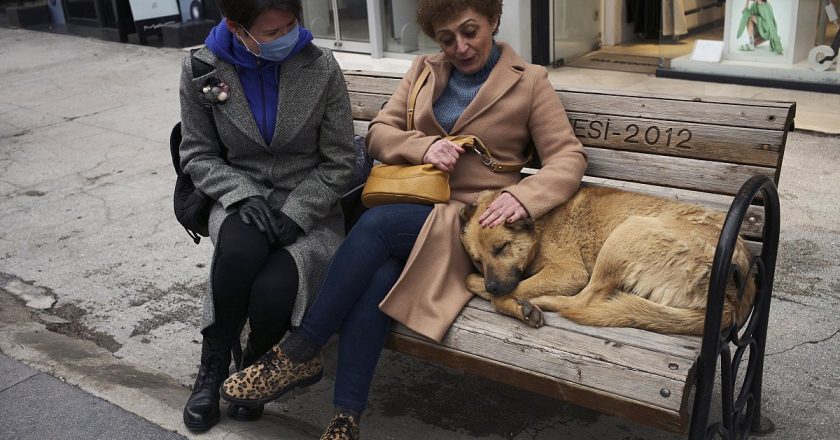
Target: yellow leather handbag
column 423, row 184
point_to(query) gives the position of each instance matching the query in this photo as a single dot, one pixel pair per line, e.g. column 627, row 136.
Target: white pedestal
column 799, row 72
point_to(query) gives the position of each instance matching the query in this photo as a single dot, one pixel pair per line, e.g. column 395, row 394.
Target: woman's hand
column 255, row 210
column 443, row 154
column 506, row 208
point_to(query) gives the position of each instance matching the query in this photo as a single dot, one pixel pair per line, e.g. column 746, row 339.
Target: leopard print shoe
column 270, row 377
column 342, row 427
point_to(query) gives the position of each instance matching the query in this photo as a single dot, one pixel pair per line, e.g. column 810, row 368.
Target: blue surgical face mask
column 278, row 49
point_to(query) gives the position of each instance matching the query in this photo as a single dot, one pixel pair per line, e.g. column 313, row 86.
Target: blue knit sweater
column 461, row 90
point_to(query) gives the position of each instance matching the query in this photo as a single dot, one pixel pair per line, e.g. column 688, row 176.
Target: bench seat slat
column 490, row 335
column 682, row 347
column 578, row 347
column 403, row 341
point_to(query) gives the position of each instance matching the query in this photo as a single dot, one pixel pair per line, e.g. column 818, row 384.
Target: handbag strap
column 467, row 141
column 412, row 98
column 473, row 143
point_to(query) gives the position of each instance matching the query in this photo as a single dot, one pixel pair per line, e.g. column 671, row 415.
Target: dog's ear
column 467, row 213
column 523, row 225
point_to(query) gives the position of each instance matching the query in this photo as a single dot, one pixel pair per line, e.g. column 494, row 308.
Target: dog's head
column 503, row 253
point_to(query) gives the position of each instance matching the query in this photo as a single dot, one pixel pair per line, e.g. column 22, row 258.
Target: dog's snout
column 492, row 287
column 504, row 285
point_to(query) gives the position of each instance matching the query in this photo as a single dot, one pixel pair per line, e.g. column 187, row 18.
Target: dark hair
column 431, row 12
column 245, row 12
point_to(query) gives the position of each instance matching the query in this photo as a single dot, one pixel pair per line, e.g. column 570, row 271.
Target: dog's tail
column 628, row 310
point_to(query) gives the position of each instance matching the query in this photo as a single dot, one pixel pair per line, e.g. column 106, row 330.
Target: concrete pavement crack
column 819, row 341
column 87, row 115
column 17, row 134
column 17, row 187
column 20, row 382
column 792, row 301
column 125, row 133
column 105, row 207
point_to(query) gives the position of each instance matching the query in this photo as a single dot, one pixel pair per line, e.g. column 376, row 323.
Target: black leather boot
column 244, row 413
column 202, row 409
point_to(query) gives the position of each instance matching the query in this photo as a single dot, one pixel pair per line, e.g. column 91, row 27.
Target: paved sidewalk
column 38, row 406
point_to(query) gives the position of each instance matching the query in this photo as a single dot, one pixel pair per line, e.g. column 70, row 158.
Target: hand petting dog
column 505, row 208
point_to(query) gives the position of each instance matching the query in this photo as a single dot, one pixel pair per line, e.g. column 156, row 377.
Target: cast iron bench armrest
column 741, row 413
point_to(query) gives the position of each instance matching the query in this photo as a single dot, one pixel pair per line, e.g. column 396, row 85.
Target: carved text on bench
column 607, row 129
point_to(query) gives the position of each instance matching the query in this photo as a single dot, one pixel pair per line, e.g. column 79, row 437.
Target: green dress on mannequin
column 758, row 17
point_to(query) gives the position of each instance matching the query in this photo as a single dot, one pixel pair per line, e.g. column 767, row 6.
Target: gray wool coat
column 303, row 172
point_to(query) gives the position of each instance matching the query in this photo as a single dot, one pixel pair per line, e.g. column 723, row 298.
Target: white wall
column 515, row 28
column 616, row 28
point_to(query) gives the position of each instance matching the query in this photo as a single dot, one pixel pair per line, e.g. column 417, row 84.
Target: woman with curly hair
column 405, row 262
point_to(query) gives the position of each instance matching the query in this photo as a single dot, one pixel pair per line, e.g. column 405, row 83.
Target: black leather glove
column 289, row 230
column 255, row 210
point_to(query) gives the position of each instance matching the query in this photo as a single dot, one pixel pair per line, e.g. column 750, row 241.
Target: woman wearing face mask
column 411, row 255
column 280, row 106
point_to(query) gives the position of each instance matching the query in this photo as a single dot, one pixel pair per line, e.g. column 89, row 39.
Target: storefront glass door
column 339, row 24
column 577, row 28
column 402, row 34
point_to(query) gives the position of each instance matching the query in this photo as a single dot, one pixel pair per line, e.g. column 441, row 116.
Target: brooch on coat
column 215, row 91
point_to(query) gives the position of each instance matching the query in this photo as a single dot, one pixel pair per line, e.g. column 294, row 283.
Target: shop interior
column 647, row 36
column 632, row 35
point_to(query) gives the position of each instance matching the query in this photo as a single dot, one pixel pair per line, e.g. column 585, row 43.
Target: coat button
column 268, row 184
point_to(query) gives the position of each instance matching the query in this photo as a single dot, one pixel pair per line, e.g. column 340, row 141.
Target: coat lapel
column 507, row 72
column 236, row 108
column 302, row 83
column 441, row 69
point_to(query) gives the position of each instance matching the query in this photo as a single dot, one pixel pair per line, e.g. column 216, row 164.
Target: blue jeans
column 360, row 274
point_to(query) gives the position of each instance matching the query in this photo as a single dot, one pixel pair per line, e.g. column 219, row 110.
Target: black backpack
column 192, row 207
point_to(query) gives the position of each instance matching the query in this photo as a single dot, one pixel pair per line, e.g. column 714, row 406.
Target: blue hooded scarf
column 259, row 77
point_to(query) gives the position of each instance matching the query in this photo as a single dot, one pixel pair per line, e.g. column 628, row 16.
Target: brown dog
column 606, row 257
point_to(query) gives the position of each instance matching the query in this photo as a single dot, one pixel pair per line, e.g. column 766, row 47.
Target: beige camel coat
column 515, row 105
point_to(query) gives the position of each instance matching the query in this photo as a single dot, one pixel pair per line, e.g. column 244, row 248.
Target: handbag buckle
column 487, row 161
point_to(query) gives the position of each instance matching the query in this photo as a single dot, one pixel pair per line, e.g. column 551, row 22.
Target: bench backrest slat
column 674, row 172
column 682, row 139
column 708, row 110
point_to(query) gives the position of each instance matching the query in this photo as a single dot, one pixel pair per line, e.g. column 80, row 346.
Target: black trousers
column 251, row 280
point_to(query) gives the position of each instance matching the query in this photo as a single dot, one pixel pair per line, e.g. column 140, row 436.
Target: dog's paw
column 531, row 314
column 475, row 284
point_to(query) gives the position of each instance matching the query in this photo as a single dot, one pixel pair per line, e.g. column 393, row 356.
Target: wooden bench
column 725, row 153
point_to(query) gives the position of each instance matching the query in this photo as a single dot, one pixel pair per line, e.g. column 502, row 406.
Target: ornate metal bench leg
column 762, row 425
column 727, row 348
